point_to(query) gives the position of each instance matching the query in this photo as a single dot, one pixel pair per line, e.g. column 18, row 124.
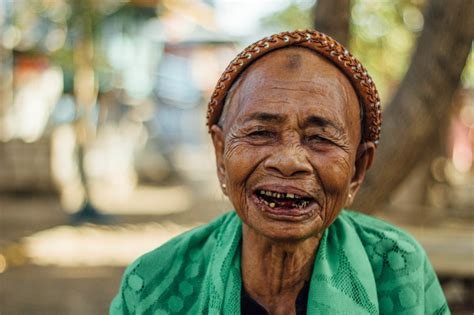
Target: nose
column 289, row 160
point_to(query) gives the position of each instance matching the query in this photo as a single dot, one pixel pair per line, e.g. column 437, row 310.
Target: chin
column 285, row 234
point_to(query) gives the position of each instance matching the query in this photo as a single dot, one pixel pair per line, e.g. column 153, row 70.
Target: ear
column 218, row 140
column 364, row 158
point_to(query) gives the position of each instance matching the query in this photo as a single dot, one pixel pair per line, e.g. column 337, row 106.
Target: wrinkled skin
column 292, row 126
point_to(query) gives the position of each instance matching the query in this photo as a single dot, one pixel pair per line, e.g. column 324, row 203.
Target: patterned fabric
column 363, row 266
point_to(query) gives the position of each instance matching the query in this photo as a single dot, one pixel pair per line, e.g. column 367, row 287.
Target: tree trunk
column 332, row 17
column 421, row 104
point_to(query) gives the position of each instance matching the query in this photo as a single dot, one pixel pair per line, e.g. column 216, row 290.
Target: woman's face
column 287, row 150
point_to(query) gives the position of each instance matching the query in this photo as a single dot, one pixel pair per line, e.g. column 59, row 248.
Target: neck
column 273, row 271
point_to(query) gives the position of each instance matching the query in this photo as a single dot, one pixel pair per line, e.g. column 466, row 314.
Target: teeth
column 279, row 195
column 300, row 205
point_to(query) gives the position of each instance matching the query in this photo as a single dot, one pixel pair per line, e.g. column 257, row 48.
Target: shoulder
column 156, row 273
column 403, row 274
column 383, row 236
column 392, row 252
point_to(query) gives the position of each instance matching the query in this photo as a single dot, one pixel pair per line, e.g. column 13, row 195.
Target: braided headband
column 324, row 46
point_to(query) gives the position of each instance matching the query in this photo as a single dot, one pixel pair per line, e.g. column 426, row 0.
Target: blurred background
column 104, row 152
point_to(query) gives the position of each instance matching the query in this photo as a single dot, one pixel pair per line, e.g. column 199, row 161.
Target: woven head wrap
column 326, row 47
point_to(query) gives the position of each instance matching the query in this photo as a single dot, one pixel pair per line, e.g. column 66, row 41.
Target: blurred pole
column 85, row 94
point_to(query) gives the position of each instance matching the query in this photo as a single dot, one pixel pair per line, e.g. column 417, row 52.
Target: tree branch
column 421, row 103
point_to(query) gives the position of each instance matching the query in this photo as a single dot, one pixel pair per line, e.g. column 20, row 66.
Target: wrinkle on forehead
column 266, row 75
column 301, row 85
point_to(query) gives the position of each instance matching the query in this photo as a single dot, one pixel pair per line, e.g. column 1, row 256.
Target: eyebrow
column 318, row 121
column 265, row 117
column 313, row 120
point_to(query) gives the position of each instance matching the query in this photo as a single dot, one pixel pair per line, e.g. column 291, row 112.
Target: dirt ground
column 32, row 284
column 33, row 287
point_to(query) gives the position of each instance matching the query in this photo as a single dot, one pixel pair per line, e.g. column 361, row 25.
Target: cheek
column 238, row 163
column 335, row 175
column 241, row 160
column 335, row 172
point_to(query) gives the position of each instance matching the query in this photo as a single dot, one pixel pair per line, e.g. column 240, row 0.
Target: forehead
column 294, row 80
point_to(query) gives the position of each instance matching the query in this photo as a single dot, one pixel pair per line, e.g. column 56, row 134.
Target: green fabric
column 363, row 266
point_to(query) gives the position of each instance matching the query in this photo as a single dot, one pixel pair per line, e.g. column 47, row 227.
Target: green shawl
column 363, row 266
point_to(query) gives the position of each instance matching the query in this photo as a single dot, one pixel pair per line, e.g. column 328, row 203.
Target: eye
column 261, row 134
column 318, row 139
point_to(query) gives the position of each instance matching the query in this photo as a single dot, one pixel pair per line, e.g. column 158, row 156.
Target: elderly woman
column 294, row 119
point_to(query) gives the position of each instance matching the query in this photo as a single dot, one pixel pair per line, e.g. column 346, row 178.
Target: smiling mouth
column 286, row 202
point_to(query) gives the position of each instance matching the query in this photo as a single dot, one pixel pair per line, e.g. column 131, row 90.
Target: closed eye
column 318, row 139
column 261, row 134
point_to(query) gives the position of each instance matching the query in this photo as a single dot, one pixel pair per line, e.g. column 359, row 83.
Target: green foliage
column 294, row 16
column 383, row 34
column 53, row 28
